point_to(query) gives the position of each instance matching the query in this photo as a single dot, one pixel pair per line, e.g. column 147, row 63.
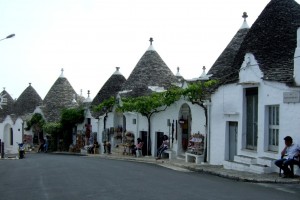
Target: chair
column 296, row 162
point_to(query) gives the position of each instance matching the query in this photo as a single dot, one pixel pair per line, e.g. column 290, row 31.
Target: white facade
column 229, row 109
column 161, row 123
column 11, row 134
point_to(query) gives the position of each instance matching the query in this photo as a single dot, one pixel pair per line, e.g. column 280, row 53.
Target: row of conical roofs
column 272, row 39
column 151, row 70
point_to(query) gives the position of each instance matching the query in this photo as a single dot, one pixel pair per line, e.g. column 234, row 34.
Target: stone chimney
column 297, row 60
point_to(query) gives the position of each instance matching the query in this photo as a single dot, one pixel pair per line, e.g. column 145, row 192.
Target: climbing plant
column 198, row 92
column 106, row 105
column 36, row 124
column 53, row 129
column 69, row 118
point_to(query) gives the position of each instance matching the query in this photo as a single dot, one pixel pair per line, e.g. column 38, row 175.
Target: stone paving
column 180, row 163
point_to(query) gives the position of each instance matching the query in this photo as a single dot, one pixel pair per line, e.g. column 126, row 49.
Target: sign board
column 291, row 97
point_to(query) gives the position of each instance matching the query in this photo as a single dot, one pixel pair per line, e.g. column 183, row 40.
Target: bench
column 296, row 162
column 190, row 157
column 168, row 153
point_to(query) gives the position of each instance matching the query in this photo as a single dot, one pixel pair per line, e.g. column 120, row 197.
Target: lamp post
column 7, row 37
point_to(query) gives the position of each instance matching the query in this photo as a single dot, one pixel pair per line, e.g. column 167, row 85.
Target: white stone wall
column 158, row 123
column 228, row 104
column 17, row 134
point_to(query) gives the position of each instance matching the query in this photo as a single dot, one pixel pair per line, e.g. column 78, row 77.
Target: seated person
column 94, row 148
column 138, row 146
column 163, row 147
column 288, row 155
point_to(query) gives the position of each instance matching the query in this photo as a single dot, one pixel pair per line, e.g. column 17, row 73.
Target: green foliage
column 199, row 91
column 71, row 116
column 147, row 105
column 172, row 95
column 52, row 128
column 36, row 123
column 106, row 105
column 156, row 102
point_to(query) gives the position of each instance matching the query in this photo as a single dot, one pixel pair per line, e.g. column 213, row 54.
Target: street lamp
column 7, row 37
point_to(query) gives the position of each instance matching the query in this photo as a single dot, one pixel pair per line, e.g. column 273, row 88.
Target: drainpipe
column 137, row 125
column 297, row 60
column 2, row 149
column 208, row 106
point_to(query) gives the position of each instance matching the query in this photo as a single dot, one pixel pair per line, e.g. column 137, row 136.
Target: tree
column 69, row 118
column 148, row 105
column 198, row 92
column 36, row 123
column 106, row 106
column 53, row 129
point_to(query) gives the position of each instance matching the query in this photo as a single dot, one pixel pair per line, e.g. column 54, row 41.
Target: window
column 251, row 117
column 273, row 128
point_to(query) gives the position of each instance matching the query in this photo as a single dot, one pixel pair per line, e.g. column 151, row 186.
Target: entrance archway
column 8, row 137
column 185, row 121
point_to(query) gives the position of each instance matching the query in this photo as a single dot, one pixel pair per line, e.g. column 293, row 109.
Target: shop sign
column 291, row 97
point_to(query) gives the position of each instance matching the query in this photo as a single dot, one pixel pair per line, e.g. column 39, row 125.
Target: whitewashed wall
column 17, row 134
column 228, row 105
column 158, row 122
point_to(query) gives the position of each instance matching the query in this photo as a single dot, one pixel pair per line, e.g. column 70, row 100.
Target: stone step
column 244, row 159
column 254, row 168
column 260, row 169
column 270, row 162
column 266, row 161
column 236, row 166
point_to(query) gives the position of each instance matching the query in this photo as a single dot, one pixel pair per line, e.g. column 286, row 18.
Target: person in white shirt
column 288, row 155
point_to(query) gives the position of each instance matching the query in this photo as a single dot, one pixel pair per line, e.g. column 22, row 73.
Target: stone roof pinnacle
column 151, row 48
column 245, row 24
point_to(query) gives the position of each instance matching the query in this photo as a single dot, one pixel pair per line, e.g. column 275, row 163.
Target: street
column 49, row 176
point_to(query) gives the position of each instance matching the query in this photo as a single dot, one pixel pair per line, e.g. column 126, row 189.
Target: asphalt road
column 47, row 176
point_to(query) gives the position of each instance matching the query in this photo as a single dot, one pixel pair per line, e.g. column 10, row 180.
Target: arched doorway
column 8, row 137
column 184, row 129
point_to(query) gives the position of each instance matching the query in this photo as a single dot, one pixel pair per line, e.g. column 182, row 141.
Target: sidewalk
column 216, row 170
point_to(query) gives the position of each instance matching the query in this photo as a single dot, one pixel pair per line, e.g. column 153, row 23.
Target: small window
column 133, row 121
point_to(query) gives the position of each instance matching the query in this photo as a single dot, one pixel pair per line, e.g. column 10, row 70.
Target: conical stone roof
column 27, row 101
column 8, row 108
column 224, row 62
column 150, row 70
column 60, row 96
column 110, row 88
column 272, row 39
